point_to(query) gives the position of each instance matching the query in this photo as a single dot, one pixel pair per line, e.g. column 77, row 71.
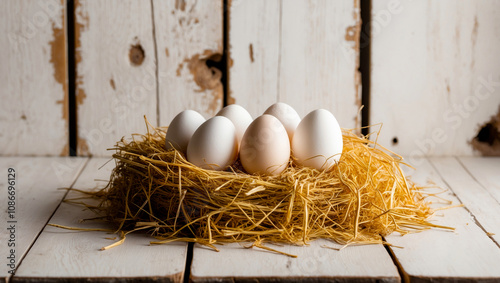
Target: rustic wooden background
column 89, row 70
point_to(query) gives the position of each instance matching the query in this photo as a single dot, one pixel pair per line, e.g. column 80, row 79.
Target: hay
column 366, row 196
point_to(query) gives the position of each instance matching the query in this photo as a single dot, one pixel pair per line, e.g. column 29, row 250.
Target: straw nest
column 365, row 197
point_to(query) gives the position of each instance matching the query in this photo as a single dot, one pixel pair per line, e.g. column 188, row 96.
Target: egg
column 317, row 141
column 265, row 148
column 181, row 129
column 287, row 116
column 239, row 116
column 213, row 145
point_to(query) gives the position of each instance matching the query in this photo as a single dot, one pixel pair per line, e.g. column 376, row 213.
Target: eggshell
column 317, row 142
column 182, row 128
column 213, row 145
column 287, row 116
column 239, row 116
column 265, row 148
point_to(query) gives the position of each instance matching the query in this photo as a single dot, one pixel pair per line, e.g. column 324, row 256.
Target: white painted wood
column 433, row 81
column 467, row 253
column 486, row 171
column 37, row 186
column 478, row 200
column 64, row 254
column 33, row 78
column 254, row 36
column 304, row 53
column 187, row 33
column 113, row 94
column 314, row 262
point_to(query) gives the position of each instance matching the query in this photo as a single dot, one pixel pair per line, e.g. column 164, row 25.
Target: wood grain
column 479, row 200
column 433, row 83
column 299, row 52
column 188, row 36
column 486, row 172
column 116, row 72
column 60, row 254
column 466, row 254
column 313, row 264
column 33, row 78
column 38, row 193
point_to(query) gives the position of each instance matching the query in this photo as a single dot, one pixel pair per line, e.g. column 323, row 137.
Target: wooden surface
column 33, row 78
column 299, row 52
column 467, row 253
column 471, row 252
column 313, row 263
column 37, row 186
column 114, row 90
column 433, row 81
column 63, row 255
column 188, row 33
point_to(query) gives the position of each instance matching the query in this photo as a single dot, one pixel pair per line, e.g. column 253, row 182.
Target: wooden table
column 49, row 254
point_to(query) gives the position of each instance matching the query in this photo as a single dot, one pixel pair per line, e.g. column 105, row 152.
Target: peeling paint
column 58, row 59
column 65, row 150
column 82, row 147
column 474, row 41
column 487, row 140
column 250, row 47
column 205, row 77
column 180, row 5
column 179, row 69
column 166, row 52
column 112, row 83
column 81, row 23
column 136, row 54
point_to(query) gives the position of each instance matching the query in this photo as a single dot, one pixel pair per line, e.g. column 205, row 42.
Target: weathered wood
column 486, row 171
column 116, row 72
column 314, row 263
column 37, row 195
column 465, row 254
column 61, row 254
column 188, row 34
column 33, row 78
column 299, row 52
column 433, row 83
column 478, row 200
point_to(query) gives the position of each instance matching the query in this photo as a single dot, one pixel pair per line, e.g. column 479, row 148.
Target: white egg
column 287, row 116
column 239, row 116
column 317, row 142
column 213, row 145
column 181, row 129
column 265, row 148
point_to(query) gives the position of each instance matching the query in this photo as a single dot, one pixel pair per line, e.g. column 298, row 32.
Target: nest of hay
column 365, row 197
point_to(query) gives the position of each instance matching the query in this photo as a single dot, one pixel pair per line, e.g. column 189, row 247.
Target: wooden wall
column 435, row 72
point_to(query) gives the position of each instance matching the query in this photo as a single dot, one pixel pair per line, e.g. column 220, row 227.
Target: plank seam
column 156, row 64
column 70, row 43
column 402, row 273
column 77, row 175
column 365, row 63
column 476, row 221
column 475, row 179
column 189, row 261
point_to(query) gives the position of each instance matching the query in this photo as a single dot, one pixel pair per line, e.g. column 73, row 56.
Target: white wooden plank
column 63, row 254
column 314, row 263
column 478, row 200
column 116, row 72
column 37, row 195
column 486, row 171
column 300, row 52
column 254, row 36
column 433, row 83
column 188, row 32
column 33, row 76
column 465, row 254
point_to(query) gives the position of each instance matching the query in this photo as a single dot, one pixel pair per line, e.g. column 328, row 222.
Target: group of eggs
column 264, row 145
